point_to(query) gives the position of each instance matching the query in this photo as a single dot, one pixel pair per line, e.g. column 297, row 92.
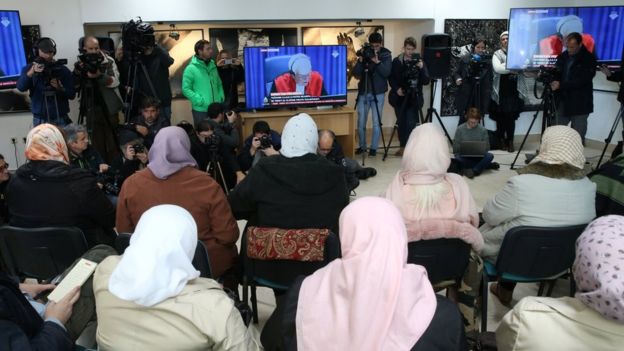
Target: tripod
column 432, row 110
column 368, row 78
column 411, row 96
column 49, row 93
column 611, row 132
column 133, row 69
column 548, row 108
column 215, row 171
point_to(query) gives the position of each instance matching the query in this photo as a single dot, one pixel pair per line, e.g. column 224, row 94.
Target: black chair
column 444, row 259
column 531, row 254
column 40, row 253
column 280, row 274
column 201, row 260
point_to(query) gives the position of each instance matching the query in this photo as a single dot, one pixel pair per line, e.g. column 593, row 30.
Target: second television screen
column 295, row 76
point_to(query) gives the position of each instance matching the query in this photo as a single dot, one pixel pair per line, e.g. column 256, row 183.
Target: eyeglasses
column 4, row 167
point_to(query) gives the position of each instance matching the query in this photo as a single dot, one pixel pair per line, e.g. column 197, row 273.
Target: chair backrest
column 444, row 259
column 274, row 66
column 538, row 252
column 40, row 253
column 282, row 273
column 201, row 260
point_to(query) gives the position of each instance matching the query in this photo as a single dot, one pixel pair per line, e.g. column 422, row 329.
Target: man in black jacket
column 576, row 68
column 617, row 76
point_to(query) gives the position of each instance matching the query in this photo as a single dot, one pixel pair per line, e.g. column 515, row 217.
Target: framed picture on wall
column 235, row 39
column 180, row 49
column 351, row 36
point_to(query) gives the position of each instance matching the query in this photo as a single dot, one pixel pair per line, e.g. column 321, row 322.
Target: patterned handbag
column 307, row 245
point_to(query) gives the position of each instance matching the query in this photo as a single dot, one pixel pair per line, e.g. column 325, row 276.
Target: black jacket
column 21, row 328
column 379, row 73
column 468, row 70
column 157, row 66
column 51, row 193
column 4, row 209
column 336, row 155
column 245, row 159
column 617, row 77
column 231, row 76
column 90, row 160
column 576, row 94
column 299, row 192
column 398, row 80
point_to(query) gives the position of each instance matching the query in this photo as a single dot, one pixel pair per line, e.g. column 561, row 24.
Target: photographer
column 133, row 155
column 97, row 78
column 407, row 78
column 573, row 87
column 150, row 121
column 473, row 79
column 50, row 85
column 213, row 149
column 200, row 82
column 5, row 177
column 263, row 142
column 372, row 69
column 617, row 77
column 139, row 46
column 232, row 75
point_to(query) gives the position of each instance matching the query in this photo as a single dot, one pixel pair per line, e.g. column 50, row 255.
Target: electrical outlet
column 13, row 140
column 24, row 140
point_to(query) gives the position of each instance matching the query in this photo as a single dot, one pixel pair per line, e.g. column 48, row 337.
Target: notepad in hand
column 76, row 277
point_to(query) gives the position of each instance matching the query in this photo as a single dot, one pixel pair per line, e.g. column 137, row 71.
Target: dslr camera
column 109, row 181
column 51, row 69
column 137, row 36
column 265, row 142
column 366, row 52
column 138, row 148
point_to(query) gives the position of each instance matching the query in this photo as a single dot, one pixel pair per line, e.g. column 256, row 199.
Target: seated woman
column 436, row 204
column 171, row 177
column 473, row 162
column 48, row 191
column 152, row 296
column 297, row 189
column 370, row 299
column 594, row 318
column 551, row 191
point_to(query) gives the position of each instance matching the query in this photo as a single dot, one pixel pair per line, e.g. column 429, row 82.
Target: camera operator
column 150, row 121
column 473, row 78
column 407, row 78
column 574, row 88
column 506, row 103
column 139, row 45
column 229, row 135
column 263, row 142
column 97, row 79
column 50, row 85
column 372, row 69
column 617, row 76
column 232, row 75
column 133, row 155
column 5, row 177
column 200, row 82
column 214, row 149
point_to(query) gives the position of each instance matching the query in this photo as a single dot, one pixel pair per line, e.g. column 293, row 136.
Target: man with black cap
column 134, row 155
column 50, row 83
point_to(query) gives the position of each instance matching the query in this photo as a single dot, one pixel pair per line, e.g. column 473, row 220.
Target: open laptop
column 472, row 149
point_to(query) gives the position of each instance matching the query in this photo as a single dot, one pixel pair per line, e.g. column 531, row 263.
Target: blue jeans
column 165, row 111
column 366, row 102
column 478, row 164
column 60, row 121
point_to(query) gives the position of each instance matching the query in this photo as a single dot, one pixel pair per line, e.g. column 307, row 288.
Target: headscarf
column 158, row 263
column 45, row 142
column 599, row 267
column 561, row 144
column 370, row 299
column 300, row 136
column 170, row 152
column 434, row 204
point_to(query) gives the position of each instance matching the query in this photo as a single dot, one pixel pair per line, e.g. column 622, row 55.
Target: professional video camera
column 137, row 36
column 478, row 64
column 91, row 63
column 109, row 181
column 51, row 69
column 547, row 75
column 265, row 142
column 366, row 52
column 411, row 73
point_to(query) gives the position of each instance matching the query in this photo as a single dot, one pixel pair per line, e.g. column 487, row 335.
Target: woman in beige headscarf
column 551, row 191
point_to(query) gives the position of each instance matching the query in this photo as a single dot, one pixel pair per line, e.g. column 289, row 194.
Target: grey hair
column 72, row 130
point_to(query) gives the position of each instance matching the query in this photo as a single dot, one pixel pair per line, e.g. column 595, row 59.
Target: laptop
column 472, row 149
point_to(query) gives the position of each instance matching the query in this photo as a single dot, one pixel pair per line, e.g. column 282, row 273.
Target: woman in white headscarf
column 152, row 297
column 294, row 190
column 594, row 318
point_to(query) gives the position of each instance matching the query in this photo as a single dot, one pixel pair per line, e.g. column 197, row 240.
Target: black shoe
column 359, row 150
column 372, row 153
column 468, row 172
column 365, row 173
column 494, row 165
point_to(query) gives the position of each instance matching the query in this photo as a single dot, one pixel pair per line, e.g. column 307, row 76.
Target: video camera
column 479, row 63
column 411, row 73
column 212, row 143
column 109, row 181
column 51, row 69
column 366, row 52
column 91, row 63
column 137, row 36
column 547, row 75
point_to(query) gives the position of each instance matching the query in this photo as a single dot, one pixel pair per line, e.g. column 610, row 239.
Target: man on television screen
column 553, row 45
column 573, row 87
column 300, row 78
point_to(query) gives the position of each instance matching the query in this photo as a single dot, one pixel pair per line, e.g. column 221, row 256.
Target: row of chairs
column 527, row 254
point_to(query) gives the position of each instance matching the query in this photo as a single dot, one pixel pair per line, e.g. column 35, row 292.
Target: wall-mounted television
column 536, row 34
column 12, row 55
column 288, row 76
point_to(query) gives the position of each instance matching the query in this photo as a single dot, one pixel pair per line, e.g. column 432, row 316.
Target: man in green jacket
column 200, row 82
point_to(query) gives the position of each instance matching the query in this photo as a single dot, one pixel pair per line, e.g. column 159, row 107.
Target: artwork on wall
column 30, row 34
column 181, row 50
column 462, row 32
column 351, row 36
column 235, row 39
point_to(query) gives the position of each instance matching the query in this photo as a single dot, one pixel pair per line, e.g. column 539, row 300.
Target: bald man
column 329, row 147
column 300, row 78
column 97, row 79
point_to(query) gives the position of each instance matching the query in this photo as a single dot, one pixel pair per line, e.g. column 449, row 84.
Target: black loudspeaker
column 436, row 53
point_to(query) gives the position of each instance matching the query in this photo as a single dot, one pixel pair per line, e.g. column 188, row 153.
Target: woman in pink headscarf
column 370, row 299
column 594, row 318
column 436, row 204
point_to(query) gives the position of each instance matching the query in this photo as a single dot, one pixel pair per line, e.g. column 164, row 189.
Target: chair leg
column 540, row 291
column 572, row 286
column 484, row 302
column 551, row 286
column 254, row 303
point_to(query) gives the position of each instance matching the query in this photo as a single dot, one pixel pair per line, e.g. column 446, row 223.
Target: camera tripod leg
column 214, row 170
column 616, row 122
column 526, row 136
column 395, row 129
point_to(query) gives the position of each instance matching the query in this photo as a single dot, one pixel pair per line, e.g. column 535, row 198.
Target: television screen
column 536, row 34
column 287, row 76
column 12, row 55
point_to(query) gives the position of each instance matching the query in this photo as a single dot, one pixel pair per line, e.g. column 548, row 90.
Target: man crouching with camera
column 407, row 77
column 134, row 155
column 263, row 142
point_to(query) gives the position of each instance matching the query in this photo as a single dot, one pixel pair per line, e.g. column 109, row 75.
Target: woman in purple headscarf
column 594, row 318
column 172, row 178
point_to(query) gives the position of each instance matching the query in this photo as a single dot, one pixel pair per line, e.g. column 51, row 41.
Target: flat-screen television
column 287, row 76
column 536, row 34
column 12, row 55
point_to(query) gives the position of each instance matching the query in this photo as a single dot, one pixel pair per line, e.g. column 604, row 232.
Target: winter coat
column 201, row 84
column 576, row 94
